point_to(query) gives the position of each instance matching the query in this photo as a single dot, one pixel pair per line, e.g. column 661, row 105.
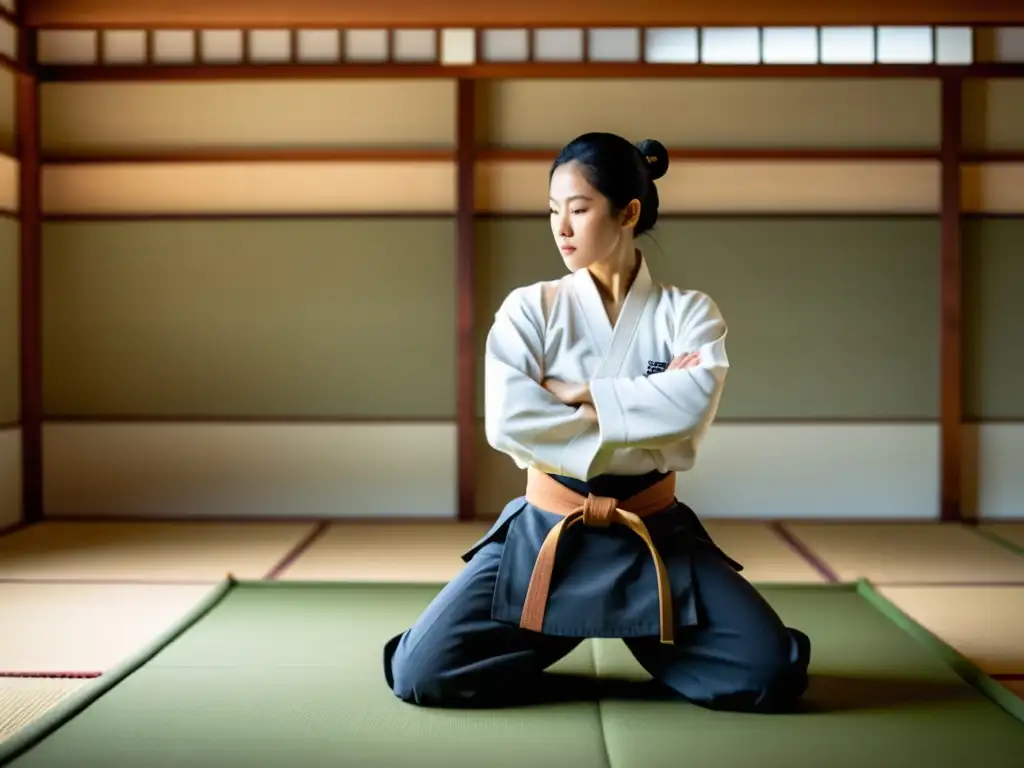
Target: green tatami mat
column 290, row 674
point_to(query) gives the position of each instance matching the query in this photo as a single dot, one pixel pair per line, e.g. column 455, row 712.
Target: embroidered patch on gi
column 654, row 366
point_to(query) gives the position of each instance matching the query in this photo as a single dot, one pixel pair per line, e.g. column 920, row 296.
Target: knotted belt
column 545, row 492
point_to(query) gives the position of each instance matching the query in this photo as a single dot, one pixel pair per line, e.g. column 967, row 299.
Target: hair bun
column 656, row 155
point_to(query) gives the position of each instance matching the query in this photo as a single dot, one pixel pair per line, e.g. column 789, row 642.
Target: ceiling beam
column 152, row 14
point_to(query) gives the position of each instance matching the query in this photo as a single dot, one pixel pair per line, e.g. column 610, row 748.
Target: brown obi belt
column 548, row 494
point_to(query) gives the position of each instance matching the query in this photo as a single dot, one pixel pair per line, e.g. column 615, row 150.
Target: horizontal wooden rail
column 553, row 70
column 470, row 13
column 300, row 419
column 483, row 215
column 142, row 216
column 995, row 156
column 287, row 154
column 242, row 419
column 254, row 155
column 736, row 153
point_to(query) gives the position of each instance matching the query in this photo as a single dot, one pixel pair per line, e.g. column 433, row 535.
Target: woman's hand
column 568, row 393
column 579, row 394
column 686, row 360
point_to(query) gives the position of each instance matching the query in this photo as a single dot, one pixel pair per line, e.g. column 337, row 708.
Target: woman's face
column 584, row 229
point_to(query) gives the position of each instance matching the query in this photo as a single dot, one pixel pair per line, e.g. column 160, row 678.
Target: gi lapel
column 595, row 319
column 613, row 342
column 628, row 322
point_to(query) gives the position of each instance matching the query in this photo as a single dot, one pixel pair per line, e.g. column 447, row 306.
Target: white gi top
column 649, row 418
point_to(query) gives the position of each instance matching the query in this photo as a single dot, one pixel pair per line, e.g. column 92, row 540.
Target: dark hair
column 620, row 171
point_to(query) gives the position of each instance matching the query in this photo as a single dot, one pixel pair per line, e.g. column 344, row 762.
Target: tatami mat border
column 862, row 562
column 296, row 552
column 50, row 675
column 968, row 671
column 78, row 701
column 794, row 543
column 820, row 564
column 995, row 538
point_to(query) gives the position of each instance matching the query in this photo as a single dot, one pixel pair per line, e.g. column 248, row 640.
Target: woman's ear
column 631, row 214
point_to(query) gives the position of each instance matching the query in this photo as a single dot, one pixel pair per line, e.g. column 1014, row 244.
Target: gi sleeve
column 656, row 411
column 522, row 419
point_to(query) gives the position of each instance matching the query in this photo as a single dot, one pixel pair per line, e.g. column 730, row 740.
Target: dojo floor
column 78, row 597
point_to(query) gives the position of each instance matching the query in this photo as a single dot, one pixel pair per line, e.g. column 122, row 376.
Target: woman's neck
column 613, row 277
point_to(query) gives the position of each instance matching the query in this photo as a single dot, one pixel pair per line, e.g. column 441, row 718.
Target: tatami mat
column 1010, row 532
column 309, row 691
column 67, row 627
column 85, row 627
column 22, row 700
column 413, row 552
column 912, row 552
column 985, row 624
column 764, row 555
column 152, row 551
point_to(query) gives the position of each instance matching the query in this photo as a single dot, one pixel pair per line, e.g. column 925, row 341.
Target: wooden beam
column 459, row 13
column 466, row 336
column 199, row 215
column 31, row 393
column 525, row 70
column 685, row 154
column 951, row 312
column 283, row 154
column 288, row 154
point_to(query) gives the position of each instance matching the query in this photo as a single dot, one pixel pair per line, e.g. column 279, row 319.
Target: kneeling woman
column 601, row 385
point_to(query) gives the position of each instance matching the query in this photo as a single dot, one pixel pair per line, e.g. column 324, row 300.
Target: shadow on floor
column 826, row 692
column 839, row 693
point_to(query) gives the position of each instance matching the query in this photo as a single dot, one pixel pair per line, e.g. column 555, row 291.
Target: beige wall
column 994, row 319
column 714, row 112
column 305, row 365
column 993, row 114
column 312, row 319
column 121, row 118
column 829, row 318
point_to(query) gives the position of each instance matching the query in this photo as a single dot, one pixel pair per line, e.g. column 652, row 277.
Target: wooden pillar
column 951, row 289
column 31, row 394
column 465, row 248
